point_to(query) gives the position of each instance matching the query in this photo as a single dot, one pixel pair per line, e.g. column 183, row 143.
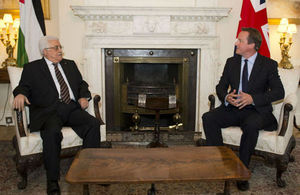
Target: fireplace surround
column 108, row 27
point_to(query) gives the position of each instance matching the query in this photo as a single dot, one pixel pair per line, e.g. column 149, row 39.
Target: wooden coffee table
column 156, row 165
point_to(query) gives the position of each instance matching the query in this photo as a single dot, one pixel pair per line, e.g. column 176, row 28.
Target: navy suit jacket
column 37, row 85
column 264, row 84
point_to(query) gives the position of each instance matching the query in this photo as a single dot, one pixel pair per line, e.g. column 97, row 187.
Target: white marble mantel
column 153, row 27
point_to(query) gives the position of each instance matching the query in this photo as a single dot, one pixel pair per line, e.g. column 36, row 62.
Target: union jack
column 254, row 14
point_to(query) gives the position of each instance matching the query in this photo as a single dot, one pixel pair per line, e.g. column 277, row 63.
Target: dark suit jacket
column 264, row 82
column 38, row 86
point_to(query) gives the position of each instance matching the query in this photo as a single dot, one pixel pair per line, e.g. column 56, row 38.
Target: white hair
column 44, row 42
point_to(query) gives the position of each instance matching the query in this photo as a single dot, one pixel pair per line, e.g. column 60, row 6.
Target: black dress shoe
column 242, row 185
column 53, row 188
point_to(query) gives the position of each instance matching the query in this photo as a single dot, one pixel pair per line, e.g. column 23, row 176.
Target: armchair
column 276, row 146
column 28, row 145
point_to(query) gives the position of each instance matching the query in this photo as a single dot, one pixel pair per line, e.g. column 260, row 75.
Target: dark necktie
column 64, row 91
column 245, row 77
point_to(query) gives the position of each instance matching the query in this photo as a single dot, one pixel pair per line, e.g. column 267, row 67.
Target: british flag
column 254, row 14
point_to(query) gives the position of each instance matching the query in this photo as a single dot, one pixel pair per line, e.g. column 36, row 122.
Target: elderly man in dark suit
column 248, row 85
column 57, row 96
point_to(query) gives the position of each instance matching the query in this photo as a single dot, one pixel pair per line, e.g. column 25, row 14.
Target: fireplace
column 153, row 73
column 110, row 26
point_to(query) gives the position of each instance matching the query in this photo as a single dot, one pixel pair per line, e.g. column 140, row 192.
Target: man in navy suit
column 248, row 85
column 57, row 96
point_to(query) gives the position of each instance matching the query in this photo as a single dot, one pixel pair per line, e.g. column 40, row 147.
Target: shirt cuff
column 225, row 102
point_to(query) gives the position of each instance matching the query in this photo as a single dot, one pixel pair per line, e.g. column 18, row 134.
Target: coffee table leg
column 227, row 188
column 152, row 190
column 86, row 190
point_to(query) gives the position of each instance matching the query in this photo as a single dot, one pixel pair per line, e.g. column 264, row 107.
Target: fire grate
column 133, row 90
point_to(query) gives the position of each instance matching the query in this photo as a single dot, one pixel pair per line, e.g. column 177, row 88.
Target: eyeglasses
column 56, row 47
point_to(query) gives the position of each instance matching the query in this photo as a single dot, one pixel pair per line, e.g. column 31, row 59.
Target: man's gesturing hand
column 19, row 102
column 230, row 98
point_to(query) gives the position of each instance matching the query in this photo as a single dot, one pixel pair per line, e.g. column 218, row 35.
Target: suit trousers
column 248, row 119
column 86, row 127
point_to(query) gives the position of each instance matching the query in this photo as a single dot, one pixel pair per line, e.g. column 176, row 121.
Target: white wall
column 70, row 30
column 228, row 29
column 52, row 25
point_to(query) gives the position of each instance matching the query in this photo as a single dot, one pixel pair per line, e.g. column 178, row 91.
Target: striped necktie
column 64, row 91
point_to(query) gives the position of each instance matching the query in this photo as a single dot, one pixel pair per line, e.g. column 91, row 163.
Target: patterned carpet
column 262, row 180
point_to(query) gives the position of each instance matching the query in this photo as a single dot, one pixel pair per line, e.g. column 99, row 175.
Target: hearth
column 150, row 73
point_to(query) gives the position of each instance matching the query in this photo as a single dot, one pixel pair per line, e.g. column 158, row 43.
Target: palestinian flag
column 32, row 28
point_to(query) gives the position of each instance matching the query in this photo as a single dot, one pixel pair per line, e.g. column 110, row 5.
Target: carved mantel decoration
column 153, row 27
column 142, row 20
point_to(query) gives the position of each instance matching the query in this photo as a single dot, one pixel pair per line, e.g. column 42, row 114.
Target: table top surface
column 151, row 165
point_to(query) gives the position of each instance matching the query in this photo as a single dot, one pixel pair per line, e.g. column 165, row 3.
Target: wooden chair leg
column 282, row 163
column 280, row 182
column 22, row 171
column 292, row 158
column 293, row 145
column 21, row 165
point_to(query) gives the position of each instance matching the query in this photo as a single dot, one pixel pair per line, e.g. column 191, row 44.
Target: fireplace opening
column 134, row 74
column 151, row 73
column 150, row 79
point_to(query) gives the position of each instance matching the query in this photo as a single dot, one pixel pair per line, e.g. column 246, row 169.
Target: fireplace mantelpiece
column 153, row 27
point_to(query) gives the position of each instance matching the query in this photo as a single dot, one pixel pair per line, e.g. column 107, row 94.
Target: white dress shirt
column 251, row 61
column 52, row 71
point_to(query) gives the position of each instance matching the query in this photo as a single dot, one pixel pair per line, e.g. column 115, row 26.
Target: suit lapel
column 237, row 72
column 46, row 72
column 66, row 69
column 255, row 70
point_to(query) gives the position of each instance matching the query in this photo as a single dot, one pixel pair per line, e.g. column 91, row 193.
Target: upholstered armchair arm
column 96, row 101
column 20, row 124
column 286, row 114
column 95, row 109
column 289, row 103
column 212, row 101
